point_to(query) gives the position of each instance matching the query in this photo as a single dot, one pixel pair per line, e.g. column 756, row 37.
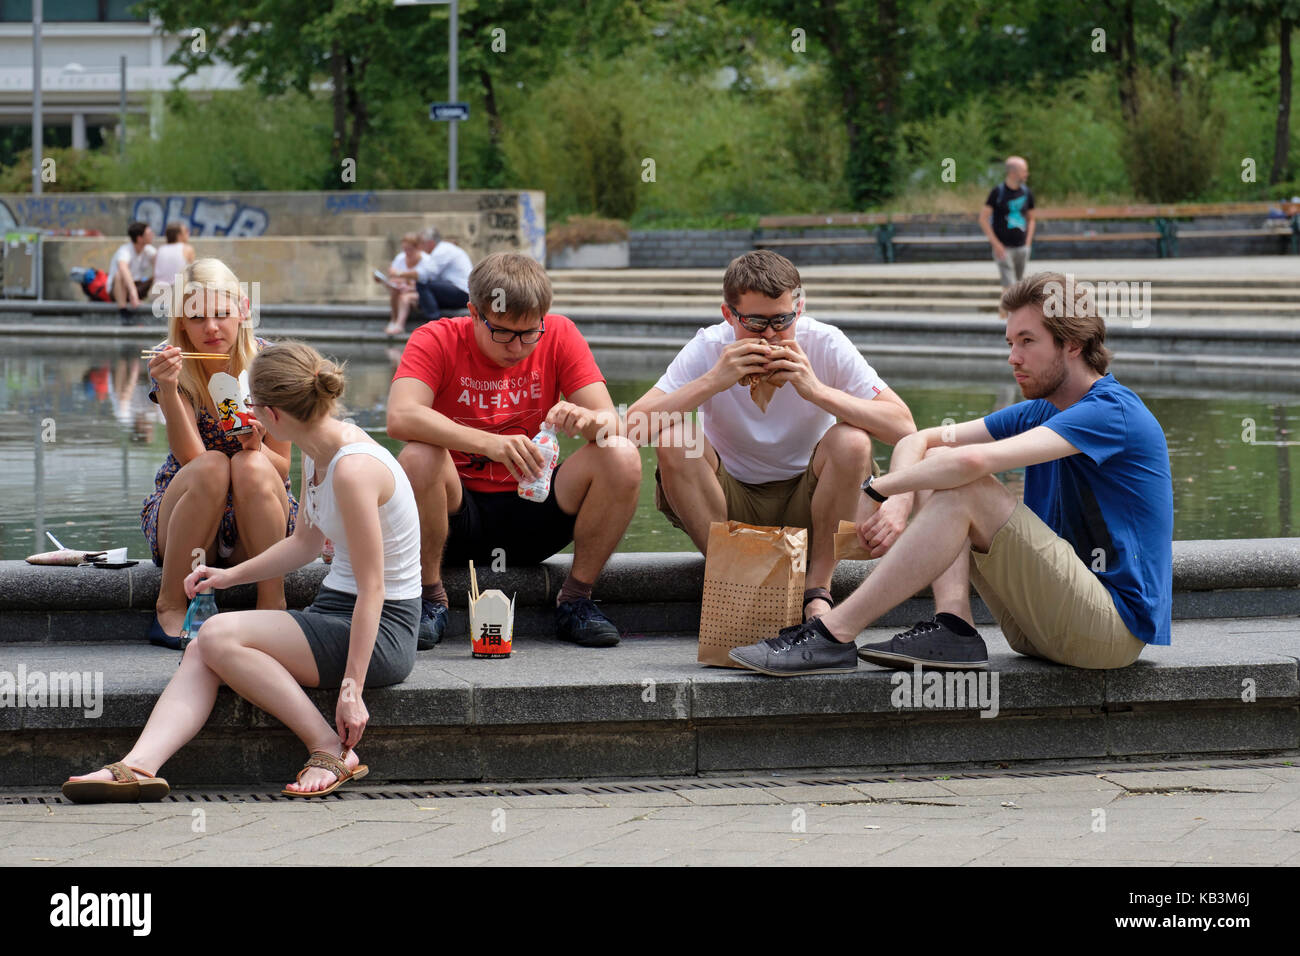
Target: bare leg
column 952, row 587
column 405, row 302
column 265, row 658
column 951, row 521
column 841, row 463
column 196, row 497
column 600, row 485
column 437, row 494
column 691, row 484
column 261, row 513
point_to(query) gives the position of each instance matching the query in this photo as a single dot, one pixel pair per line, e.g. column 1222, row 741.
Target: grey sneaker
column 930, row 644
column 805, row 648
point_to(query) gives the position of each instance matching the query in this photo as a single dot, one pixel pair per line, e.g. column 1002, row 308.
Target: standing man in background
column 1008, row 220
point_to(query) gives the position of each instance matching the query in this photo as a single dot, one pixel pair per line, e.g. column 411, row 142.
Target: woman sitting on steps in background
column 360, row 632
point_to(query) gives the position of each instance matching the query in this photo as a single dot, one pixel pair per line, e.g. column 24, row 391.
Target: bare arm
column 969, row 462
column 1033, row 224
column 886, row 416
column 737, row 360
column 589, row 412
column 279, row 559
column 986, row 224
column 411, row 417
column 360, row 481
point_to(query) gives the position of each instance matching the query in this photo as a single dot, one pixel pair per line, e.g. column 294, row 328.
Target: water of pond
column 80, row 443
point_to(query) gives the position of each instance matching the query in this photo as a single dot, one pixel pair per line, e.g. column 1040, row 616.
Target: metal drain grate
column 414, row 792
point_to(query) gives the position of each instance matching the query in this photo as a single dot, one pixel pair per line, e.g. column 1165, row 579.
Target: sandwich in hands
column 760, row 384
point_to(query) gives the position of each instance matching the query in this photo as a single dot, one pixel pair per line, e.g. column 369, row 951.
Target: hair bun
column 329, row 380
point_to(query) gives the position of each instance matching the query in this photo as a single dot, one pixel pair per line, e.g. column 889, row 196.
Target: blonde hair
column 295, row 378
column 514, row 281
column 207, row 277
column 410, row 239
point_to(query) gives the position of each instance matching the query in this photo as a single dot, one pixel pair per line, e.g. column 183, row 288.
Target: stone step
column 644, row 593
column 647, row 708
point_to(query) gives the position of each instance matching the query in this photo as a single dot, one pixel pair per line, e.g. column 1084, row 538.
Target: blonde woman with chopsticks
column 225, row 494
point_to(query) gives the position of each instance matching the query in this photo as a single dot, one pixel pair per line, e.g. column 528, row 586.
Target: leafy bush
column 1172, row 146
column 75, row 171
column 581, row 230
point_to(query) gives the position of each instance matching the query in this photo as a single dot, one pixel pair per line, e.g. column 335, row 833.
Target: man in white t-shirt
column 442, row 276
column 130, row 271
column 790, row 463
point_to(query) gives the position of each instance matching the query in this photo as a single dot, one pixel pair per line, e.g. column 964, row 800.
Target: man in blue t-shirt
column 1081, row 573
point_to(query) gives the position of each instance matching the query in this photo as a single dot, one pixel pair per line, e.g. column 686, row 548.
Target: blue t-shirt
column 1113, row 502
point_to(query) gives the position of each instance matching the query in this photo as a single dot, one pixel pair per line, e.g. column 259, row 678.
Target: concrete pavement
column 1169, row 815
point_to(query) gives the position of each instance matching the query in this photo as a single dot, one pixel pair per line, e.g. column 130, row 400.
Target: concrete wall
column 482, row 221
column 687, row 248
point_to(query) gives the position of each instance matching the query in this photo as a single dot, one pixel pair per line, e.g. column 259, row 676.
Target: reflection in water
column 80, row 443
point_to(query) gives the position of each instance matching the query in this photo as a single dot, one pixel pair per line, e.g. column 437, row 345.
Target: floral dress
column 214, row 439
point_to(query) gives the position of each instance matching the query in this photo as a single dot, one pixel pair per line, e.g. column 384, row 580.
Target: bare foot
column 103, row 774
column 172, row 619
column 317, row 778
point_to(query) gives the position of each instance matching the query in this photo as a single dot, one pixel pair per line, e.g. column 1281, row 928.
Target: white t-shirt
column 140, row 264
column 756, row 446
column 448, row 262
column 399, row 262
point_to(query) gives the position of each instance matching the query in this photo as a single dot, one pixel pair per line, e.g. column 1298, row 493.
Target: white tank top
column 169, row 261
column 399, row 522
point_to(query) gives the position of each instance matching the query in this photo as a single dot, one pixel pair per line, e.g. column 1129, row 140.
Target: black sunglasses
column 506, row 336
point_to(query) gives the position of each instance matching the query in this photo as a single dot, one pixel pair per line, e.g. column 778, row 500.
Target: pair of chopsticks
column 150, row 353
column 473, row 584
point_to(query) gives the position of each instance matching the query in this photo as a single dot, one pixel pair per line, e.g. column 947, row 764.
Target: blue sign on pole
column 448, row 111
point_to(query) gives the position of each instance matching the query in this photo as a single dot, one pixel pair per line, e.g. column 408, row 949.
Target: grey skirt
column 328, row 626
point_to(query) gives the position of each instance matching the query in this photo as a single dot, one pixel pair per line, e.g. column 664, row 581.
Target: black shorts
column 529, row 532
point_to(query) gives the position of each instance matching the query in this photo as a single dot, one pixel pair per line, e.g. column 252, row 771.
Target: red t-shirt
column 474, row 391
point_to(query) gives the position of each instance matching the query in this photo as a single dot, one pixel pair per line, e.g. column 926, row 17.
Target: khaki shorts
column 781, row 504
column 1045, row 599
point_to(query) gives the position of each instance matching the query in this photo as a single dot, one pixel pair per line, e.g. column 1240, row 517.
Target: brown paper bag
column 753, row 586
column 847, row 545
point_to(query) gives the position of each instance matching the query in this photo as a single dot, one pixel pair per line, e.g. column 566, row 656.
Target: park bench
column 1164, row 217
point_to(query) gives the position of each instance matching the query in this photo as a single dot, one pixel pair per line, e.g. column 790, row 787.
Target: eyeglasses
column 506, row 336
column 254, row 405
column 779, row 322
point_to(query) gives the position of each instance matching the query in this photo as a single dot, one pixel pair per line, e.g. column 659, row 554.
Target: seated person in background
column 441, row 277
column 788, row 463
column 468, row 397
column 401, row 292
column 1080, row 573
column 227, row 495
column 358, row 633
column 172, row 258
column 130, row 271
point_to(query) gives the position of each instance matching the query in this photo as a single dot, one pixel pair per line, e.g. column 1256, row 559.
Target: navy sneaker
column 930, row 644
column 433, row 621
column 580, row 622
column 805, row 648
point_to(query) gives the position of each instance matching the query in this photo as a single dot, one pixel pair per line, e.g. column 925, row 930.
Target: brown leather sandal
column 129, row 785
column 816, row 594
column 335, row 765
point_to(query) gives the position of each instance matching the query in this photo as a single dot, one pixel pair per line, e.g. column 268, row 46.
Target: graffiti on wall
column 57, row 212
column 205, row 217
column 336, row 203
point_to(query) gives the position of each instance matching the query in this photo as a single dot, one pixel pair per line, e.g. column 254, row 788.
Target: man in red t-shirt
column 467, row 398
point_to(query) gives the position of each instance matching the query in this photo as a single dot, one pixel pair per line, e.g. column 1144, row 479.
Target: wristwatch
column 872, row 492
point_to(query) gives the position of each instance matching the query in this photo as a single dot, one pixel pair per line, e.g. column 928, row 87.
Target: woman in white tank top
column 359, row 632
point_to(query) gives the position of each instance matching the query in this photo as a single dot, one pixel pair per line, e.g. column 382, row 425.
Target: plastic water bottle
column 537, row 489
column 201, row 608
